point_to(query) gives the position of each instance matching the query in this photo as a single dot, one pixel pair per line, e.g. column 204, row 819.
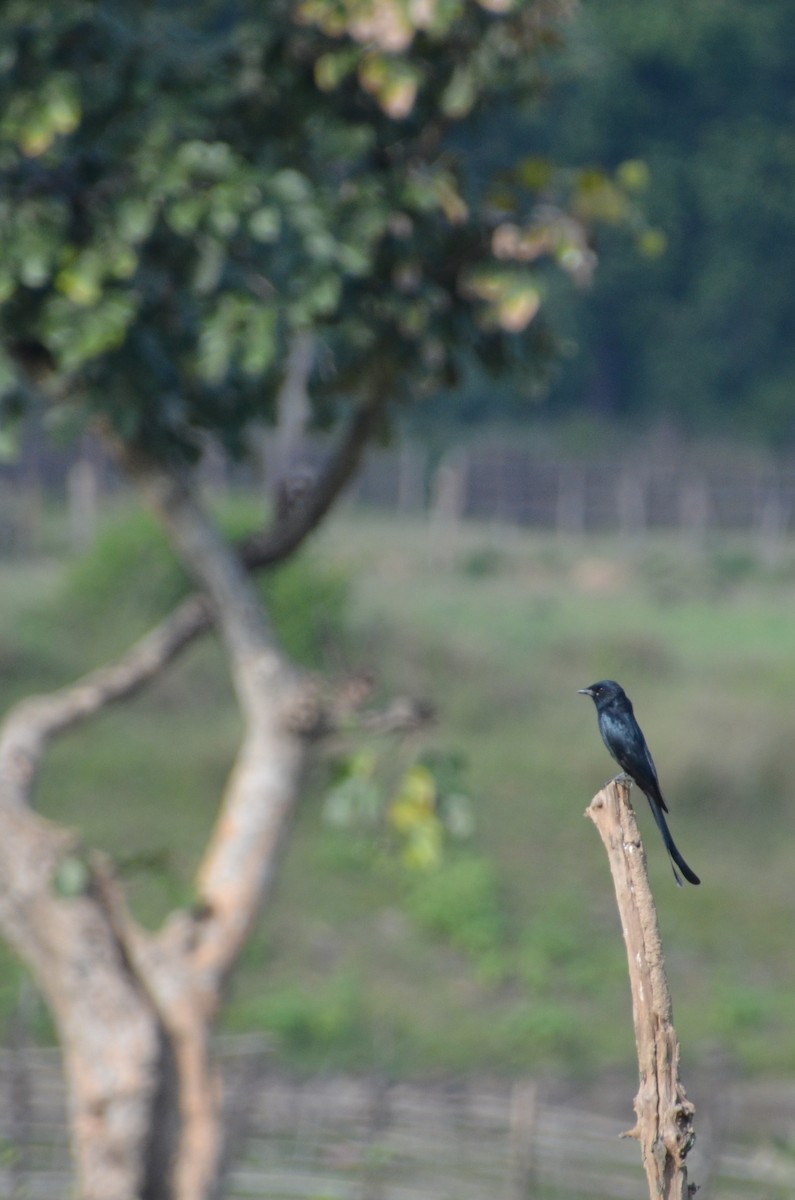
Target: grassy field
column 508, row 957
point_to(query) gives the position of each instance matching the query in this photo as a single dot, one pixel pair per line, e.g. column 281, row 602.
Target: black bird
column 624, row 739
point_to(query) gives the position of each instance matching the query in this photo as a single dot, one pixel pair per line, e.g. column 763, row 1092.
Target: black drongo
column 624, row 739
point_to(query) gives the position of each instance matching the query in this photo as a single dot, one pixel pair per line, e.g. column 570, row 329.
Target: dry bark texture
column 664, row 1125
column 134, row 1009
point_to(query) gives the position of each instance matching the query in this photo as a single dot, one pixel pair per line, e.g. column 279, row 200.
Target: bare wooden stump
column 664, row 1125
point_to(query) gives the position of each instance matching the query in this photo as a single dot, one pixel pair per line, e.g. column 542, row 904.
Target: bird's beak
column 584, row 692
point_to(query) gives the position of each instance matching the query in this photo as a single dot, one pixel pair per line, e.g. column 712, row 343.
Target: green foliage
column 547, row 1031
column 414, row 816
column 688, row 322
column 130, row 567
column 482, row 562
column 308, row 603
column 186, row 186
column 502, row 657
column 130, row 573
column 560, row 958
column 72, row 876
column 309, row 1023
column 421, row 809
column 355, row 798
column 701, row 330
column 419, row 816
column 733, row 565
column 740, row 1008
column 460, row 902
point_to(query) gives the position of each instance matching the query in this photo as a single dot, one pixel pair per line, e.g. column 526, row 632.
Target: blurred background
column 436, row 1003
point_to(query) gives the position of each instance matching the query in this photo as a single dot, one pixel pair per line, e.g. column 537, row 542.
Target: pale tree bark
column 664, row 1124
column 109, row 1032
column 135, row 1010
column 187, row 973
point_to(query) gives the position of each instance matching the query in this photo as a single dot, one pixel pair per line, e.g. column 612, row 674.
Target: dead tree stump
column 664, row 1124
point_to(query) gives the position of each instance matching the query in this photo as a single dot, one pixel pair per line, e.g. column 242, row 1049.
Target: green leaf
column 460, row 93
column 72, row 877
column 352, row 802
column 260, row 340
column 633, row 175
column 264, row 224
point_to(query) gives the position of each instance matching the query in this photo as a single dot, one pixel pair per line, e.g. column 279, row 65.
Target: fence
column 500, row 482
column 354, row 1138
column 495, row 481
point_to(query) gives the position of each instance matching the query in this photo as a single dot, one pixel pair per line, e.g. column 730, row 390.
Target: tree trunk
column 135, row 1011
column 108, row 1029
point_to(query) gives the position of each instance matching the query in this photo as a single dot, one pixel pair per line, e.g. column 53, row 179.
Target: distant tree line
column 692, row 319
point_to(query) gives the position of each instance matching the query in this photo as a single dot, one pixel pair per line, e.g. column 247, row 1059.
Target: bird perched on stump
column 624, row 739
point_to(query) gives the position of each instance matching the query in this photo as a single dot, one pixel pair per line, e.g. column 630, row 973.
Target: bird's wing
column 653, row 779
column 624, row 739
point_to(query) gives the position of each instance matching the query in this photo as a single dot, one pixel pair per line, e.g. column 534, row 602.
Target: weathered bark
column 283, row 537
column 135, row 1010
column 185, row 969
column 664, row 1125
column 108, row 1031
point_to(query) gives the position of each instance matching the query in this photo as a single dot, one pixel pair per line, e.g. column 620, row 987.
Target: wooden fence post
column 771, row 527
column 570, row 507
column 411, row 468
column 694, row 508
column 631, row 504
column 522, row 1123
column 20, row 1093
column 664, row 1125
column 448, row 503
column 82, row 492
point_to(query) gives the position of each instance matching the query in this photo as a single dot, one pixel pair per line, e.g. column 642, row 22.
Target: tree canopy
column 186, row 185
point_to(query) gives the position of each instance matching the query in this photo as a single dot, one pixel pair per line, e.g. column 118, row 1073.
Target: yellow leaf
column 633, row 175
column 80, row 288
column 418, row 788
column 516, row 312
column 652, row 243
column 423, row 850
column 414, row 804
column 35, row 139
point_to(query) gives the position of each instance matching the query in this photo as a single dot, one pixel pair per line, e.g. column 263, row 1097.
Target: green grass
column 511, row 959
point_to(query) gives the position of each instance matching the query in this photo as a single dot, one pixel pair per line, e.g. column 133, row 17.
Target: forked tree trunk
column 134, row 1010
column 108, row 1029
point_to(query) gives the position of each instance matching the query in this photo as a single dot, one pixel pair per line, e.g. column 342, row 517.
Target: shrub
column 460, row 902
column 131, row 574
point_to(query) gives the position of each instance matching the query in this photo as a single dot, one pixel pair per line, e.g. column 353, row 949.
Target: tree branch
column 279, row 709
column 87, row 951
column 664, row 1125
column 29, row 726
column 272, row 546
column 33, row 722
